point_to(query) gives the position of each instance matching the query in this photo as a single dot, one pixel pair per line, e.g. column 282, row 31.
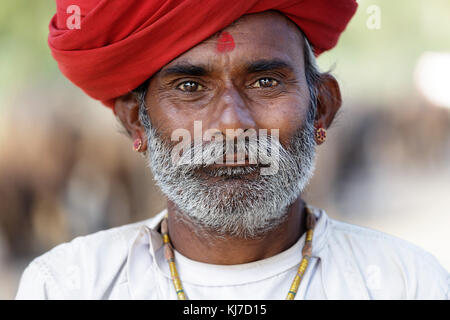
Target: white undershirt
column 269, row 278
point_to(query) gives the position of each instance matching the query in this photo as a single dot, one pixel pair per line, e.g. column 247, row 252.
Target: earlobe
column 328, row 100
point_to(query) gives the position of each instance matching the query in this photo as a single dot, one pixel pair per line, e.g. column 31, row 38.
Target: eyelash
column 264, row 78
column 250, row 86
column 187, row 81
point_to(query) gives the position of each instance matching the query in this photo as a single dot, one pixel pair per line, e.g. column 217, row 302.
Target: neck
column 212, row 248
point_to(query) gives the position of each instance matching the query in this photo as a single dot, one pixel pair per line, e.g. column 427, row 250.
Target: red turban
column 121, row 43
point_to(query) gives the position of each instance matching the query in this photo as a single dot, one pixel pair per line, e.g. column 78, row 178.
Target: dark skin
column 259, row 83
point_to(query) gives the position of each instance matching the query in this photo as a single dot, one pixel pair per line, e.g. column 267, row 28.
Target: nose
column 233, row 113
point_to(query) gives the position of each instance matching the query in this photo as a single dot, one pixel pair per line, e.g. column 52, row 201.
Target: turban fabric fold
column 121, row 43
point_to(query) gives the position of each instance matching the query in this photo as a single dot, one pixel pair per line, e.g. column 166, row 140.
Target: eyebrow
column 188, row 69
column 267, row 65
column 185, row 69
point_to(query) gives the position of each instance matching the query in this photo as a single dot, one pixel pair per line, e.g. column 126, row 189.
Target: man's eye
column 265, row 83
column 190, row 86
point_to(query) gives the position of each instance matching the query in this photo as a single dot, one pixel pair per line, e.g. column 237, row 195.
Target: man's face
column 249, row 76
column 260, row 83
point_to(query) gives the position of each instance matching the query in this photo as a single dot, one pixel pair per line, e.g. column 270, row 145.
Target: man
column 228, row 121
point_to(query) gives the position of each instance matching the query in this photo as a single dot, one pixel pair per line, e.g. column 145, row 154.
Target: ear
column 127, row 110
column 328, row 101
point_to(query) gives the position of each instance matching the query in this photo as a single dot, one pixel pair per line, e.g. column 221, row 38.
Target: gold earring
column 137, row 144
column 321, row 135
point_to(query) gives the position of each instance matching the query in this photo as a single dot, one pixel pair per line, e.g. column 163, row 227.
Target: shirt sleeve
column 35, row 283
column 434, row 280
column 447, row 296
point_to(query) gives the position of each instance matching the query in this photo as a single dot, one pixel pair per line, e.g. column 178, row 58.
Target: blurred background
column 66, row 168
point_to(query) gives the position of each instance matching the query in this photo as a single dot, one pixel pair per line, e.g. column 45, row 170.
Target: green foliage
column 24, row 54
column 379, row 63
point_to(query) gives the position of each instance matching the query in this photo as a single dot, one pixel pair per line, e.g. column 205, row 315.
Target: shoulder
column 86, row 267
column 403, row 268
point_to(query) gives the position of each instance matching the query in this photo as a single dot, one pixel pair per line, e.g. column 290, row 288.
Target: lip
column 234, row 163
column 221, row 165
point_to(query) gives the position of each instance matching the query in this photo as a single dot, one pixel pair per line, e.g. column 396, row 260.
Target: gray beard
column 233, row 204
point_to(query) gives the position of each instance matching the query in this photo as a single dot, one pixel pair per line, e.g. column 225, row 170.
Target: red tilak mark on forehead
column 225, row 42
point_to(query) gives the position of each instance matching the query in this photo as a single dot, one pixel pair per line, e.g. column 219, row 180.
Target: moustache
column 253, row 151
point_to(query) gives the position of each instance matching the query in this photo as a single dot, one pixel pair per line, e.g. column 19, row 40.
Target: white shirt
column 348, row 262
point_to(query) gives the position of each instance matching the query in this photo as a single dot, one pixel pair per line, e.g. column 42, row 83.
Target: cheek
column 163, row 116
column 167, row 116
column 287, row 115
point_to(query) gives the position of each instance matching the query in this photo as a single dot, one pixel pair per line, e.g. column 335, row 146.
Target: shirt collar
column 141, row 263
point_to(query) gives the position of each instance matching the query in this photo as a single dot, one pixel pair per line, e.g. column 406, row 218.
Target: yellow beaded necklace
column 306, row 253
